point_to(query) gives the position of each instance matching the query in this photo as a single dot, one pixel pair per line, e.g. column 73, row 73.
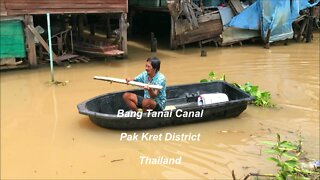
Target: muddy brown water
column 44, row 137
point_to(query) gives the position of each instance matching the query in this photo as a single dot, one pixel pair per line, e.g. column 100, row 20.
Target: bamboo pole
column 50, row 47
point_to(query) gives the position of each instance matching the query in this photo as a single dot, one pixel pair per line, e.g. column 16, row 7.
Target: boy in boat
column 153, row 98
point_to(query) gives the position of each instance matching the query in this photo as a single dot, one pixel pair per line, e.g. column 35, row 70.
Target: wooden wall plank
column 62, row 11
column 26, row 2
column 205, row 31
column 67, row 1
column 236, row 6
column 65, row 6
column 17, row 7
column 3, row 8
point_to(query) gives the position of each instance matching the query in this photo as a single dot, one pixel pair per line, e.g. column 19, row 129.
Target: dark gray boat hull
column 102, row 110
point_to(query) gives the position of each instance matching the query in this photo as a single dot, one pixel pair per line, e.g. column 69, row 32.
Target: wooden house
column 189, row 21
column 18, row 23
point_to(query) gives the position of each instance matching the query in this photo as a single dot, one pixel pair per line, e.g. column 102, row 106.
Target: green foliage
column 261, row 98
column 212, row 77
column 285, row 155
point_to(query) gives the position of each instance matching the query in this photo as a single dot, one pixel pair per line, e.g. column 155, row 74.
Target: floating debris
column 116, row 160
column 203, row 53
column 234, row 131
column 58, row 83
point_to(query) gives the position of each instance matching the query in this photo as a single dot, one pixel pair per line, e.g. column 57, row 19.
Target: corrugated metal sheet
column 19, row 7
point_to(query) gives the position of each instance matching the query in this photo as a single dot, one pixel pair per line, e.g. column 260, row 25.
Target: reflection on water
column 43, row 136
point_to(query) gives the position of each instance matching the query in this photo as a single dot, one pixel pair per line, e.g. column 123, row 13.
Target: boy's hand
column 146, row 87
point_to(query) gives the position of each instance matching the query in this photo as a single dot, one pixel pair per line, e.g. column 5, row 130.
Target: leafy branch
column 287, row 155
column 212, row 77
column 262, row 98
column 290, row 160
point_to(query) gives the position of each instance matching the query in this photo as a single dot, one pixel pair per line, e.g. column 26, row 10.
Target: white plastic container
column 212, row 98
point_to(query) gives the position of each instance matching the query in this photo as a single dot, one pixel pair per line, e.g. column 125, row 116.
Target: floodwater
column 44, row 137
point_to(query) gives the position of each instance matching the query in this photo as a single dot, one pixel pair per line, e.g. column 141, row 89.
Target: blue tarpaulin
column 248, row 18
column 276, row 15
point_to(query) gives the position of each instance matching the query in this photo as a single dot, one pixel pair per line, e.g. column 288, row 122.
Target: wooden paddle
column 123, row 81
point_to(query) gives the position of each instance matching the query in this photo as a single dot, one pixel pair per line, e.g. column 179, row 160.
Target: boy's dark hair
column 155, row 63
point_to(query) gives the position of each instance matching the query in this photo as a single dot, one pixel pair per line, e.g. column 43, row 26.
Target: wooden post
column 92, row 29
column 40, row 53
column 91, row 21
column 31, row 48
column 75, row 25
column 123, row 34
column 267, row 43
column 173, row 43
column 131, row 14
column 80, row 26
column 108, row 28
column 153, row 43
column 310, row 24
